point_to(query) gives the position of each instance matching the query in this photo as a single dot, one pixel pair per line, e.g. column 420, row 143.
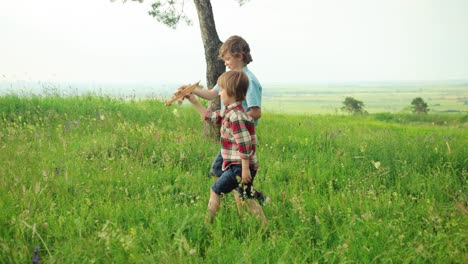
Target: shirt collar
column 230, row 107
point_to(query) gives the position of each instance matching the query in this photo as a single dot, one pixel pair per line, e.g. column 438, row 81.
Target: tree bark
column 211, row 42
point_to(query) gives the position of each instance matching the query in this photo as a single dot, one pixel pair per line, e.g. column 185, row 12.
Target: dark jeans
column 231, row 179
column 216, row 166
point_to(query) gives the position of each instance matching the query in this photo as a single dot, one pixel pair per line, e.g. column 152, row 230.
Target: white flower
column 376, row 164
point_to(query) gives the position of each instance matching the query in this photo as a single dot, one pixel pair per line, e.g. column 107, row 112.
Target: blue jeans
column 216, row 166
column 231, row 179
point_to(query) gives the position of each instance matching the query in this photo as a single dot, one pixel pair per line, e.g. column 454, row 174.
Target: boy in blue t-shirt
column 235, row 52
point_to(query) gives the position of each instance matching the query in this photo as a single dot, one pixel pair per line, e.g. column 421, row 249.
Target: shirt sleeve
column 254, row 94
column 216, row 88
column 213, row 117
column 241, row 135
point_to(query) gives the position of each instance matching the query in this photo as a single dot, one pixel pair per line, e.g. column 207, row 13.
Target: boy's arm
column 200, row 108
column 246, row 176
column 255, row 112
column 206, row 94
column 244, row 146
column 211, row 117
column 254, row 99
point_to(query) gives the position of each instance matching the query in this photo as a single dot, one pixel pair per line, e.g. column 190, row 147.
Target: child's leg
column 247, row 198
column 254, row 207
column 228, row 181
column 213, row 206
column 238, row 201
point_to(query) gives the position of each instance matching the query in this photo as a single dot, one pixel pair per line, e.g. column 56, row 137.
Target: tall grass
column 96, row 179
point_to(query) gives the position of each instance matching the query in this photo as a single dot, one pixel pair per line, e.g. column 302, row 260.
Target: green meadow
column 94, row 179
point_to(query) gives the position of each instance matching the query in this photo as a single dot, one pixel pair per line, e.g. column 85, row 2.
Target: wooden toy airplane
column 179, row 95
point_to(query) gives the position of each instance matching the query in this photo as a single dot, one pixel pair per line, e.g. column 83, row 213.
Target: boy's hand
column 181, row 88
column 246, row 176
column 189, row 96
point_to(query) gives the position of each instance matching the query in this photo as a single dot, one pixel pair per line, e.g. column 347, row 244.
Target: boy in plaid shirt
column 238, row 144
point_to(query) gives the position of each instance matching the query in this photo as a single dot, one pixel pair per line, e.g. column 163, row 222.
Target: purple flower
column 35, row 258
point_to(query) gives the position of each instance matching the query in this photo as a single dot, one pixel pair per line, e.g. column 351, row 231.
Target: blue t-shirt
column 254, row 92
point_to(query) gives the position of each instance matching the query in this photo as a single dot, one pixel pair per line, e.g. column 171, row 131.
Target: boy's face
column 232, row 62
column 225, row 98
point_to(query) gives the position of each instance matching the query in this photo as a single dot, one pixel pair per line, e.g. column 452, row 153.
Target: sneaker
column 261, row 198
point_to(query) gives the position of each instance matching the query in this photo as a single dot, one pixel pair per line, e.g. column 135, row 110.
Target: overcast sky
column 292, row 42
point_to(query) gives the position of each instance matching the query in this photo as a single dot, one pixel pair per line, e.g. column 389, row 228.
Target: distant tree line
column 356, row 107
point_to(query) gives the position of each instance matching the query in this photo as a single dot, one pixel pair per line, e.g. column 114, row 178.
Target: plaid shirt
column 238, row 140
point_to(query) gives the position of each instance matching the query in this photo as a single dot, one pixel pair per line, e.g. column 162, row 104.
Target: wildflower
column 37, row 187
column 376, row 164
column 366, row 216
column 448, row 147
column 175, row 112
column 317, row 220
column 35, row 258
column 132, row 232
column 420, row 249
column 363, row 149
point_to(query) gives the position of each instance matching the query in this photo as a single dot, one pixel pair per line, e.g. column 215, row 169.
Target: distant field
column 325, row 99
column 376, row 99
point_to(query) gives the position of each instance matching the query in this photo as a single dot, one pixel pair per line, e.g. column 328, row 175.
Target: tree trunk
column 211, row 42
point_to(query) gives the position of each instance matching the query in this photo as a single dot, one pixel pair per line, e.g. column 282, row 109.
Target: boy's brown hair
column 237, row 46
column 235, row 83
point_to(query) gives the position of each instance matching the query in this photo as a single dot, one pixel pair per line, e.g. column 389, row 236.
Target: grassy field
column 99, row 180
column 376, row 99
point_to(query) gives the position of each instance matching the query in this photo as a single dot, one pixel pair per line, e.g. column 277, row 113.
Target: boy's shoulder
column 239, row 115
column 252, row 78
column 249, row 73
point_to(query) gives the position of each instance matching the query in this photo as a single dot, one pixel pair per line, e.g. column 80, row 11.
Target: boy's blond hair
column 237, row 46
column 235, row 83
